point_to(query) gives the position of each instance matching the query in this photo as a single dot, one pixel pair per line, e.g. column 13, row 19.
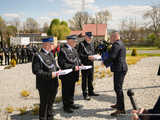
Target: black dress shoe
column 68, row 110
column 52, row 118
column 55, row 119
column 114, row 106
column 93, row 94
column 87, row 97
column 74, row 107
column 117, row 113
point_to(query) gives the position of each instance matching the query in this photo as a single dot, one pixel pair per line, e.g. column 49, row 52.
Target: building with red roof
column 99, row 31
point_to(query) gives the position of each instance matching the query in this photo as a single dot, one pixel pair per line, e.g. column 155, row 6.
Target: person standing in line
column 45, row 68
column 68, row 59
column 86, row 51
column 117, row 56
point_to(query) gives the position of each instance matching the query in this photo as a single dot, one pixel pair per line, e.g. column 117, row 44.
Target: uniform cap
column 48, row 39
column 73, row 37
column 89, row 34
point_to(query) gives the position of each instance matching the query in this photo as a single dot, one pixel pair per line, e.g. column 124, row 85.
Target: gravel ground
column 141, row 77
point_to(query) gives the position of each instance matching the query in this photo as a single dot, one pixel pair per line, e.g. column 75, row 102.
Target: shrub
column 13, row 62
column 25, row 93
column 9, row 109
column 22, row 110
column 35, row 110
column 134, row 52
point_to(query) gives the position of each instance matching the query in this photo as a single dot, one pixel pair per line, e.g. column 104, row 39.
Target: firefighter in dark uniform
column 44, row 67
column 31, row 53
column 68, row 59
column 12, row 52
column 6, row 54
column 86, row 50
column 1, row 56
column 28, row 49
column 24, row 54
column 18, row 54
column 117, row 56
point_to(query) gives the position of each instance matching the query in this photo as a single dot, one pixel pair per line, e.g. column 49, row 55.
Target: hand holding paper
column 97, row 57
column 54, row 74
column 76, row 68
column 64, row 72
column 91, row 58
column 85, row 67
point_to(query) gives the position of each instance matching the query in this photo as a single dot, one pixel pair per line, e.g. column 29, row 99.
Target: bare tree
column 16, row 23
column 129, row 31
column 92, row 20
column 31, row 25
column 102, row 17
column 2, row 29
column 154, row 16
column 45, row 27
column 79, row 19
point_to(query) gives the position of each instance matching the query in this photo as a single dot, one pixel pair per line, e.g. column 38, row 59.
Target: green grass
column 146, row 54
column 133, row 59
column 144, row 48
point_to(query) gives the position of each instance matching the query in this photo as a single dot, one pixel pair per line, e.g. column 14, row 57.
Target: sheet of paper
column 64, row 72
column 85, row 67
column 97, row 57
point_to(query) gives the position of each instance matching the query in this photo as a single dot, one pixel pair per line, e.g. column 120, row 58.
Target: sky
column 46, row 10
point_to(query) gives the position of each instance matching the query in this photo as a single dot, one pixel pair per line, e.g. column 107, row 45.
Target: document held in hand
column 97, row 57
column 64, row 72
column 85, row 67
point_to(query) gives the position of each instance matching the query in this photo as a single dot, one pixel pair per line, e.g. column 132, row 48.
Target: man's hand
column 54, row 74
column 91, row 58
column 76, row 68
column 135, row 114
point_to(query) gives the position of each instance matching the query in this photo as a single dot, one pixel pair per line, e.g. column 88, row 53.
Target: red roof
column 96, row 29
column 75, row 32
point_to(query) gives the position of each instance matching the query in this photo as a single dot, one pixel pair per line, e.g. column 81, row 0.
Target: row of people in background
column 21, row 54
column 45, row 68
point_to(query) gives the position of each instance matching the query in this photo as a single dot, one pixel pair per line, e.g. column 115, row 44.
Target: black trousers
column 1, row 60
column 18, row 59
column 118, row 84
column 68, row 88
column 6, row 60
column 24, row 59
column 87, row 81
column 46, row 103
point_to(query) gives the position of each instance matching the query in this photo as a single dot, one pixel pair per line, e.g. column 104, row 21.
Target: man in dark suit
column 86, row 52
column 68, row 59
column 153, row 114
column 44, row 67
column 117, row 56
